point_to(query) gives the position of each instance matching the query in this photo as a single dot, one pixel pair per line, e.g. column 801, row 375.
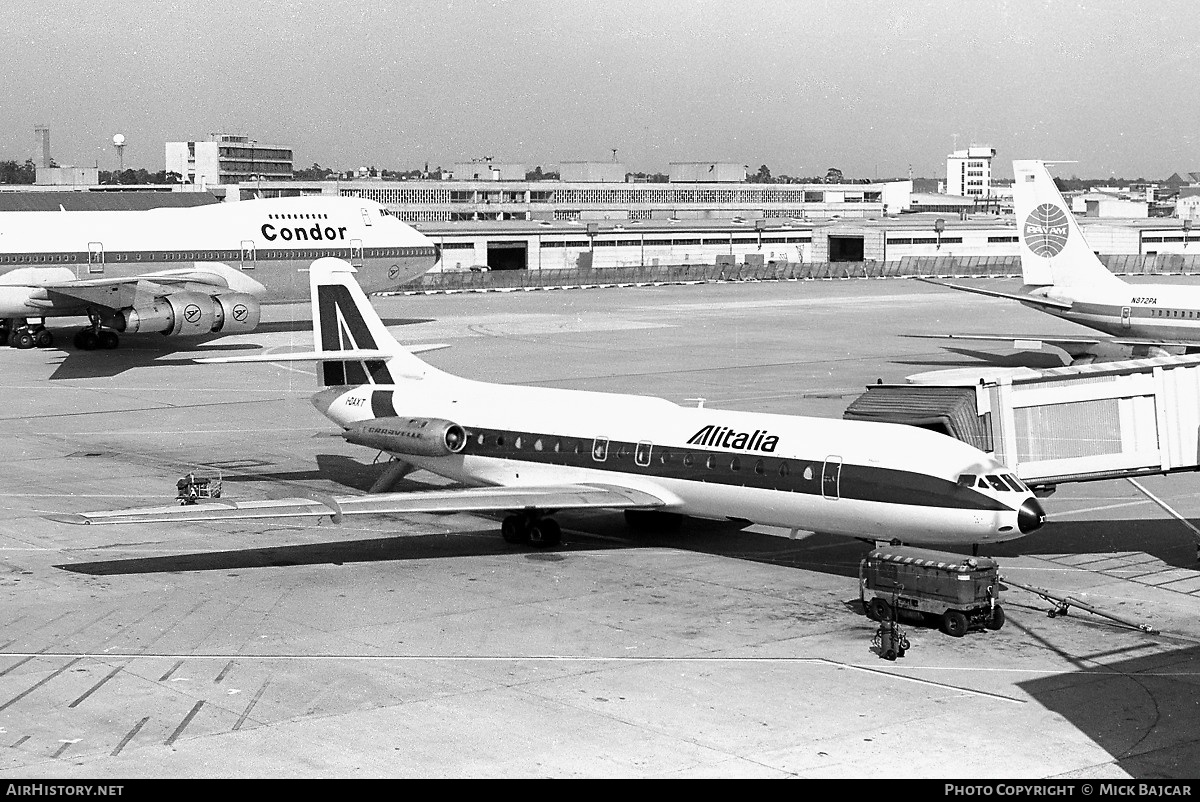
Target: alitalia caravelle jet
column 531, row 452
column 1064, row 278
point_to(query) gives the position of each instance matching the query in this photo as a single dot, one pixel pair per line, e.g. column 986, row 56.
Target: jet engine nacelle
column 183, row 314
column 418, row 437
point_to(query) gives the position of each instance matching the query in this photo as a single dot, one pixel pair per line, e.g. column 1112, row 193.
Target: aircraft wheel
column 997, row 619
column 108, row 339
column 548, row 530
column 954, row 623
column 879, row 610
column 513, row 530
column 44, row 339
column 86, row 340
column 22, row 339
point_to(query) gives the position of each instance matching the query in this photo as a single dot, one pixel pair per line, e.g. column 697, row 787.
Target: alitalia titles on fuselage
column 724, row 437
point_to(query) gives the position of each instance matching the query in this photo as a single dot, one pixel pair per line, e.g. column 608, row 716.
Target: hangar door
column 846, row 249
column 507, row 255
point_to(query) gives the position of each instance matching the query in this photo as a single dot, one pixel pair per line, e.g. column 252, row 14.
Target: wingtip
column 68, row 518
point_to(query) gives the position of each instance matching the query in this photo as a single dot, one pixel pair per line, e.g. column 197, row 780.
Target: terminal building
column 228, row 159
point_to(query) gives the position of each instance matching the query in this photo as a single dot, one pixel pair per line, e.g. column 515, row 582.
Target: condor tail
column 1053, row 250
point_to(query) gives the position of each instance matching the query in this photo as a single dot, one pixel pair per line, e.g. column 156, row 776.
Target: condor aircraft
column 188, row 271
column 530, row 452
column 1064, row 278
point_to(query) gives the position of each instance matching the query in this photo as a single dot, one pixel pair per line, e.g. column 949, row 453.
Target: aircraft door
column 366, row 216
column 1125, row 312
column 831, row 477
column 356, row 252
column 600, row 449
column 95, row 257
column 248, row 254
column 641, row 454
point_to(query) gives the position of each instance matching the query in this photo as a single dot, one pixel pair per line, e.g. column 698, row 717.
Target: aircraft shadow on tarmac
column 1038, row 360
column 1140, row 710
column 823, row 553
column 153, row 350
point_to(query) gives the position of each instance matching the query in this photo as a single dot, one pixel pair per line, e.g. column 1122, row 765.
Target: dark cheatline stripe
column 381, row 404
column 755, row 470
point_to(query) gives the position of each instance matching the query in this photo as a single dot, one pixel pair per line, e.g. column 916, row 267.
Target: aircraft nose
column 324, row 400
column 1031, row 516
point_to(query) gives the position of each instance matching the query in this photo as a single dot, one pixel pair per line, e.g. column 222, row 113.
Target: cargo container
column 959, row 593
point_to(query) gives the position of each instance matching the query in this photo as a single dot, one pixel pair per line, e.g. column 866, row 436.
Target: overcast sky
column 871, row 88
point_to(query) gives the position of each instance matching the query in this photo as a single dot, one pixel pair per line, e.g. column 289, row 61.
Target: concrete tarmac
column 424, row 646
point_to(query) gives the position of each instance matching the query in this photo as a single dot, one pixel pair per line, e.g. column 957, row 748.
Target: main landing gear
column 93, row 336
column 532, row 528
column 20, row 333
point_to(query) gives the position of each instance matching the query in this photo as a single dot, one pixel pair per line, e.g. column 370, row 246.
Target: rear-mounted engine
column 418, row 437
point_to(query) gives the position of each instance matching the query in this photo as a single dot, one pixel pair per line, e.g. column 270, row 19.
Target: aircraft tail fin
column 1053, row 250
column 347, row 332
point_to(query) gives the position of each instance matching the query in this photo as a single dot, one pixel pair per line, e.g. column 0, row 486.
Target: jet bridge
column 1106, row 420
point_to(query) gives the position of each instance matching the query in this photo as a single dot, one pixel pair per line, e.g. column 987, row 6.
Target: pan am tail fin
column 1053, row 250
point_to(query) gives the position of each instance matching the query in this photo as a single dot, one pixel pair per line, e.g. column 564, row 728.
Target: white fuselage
column 874, row 481
column 260, row 247
column 1167, row 312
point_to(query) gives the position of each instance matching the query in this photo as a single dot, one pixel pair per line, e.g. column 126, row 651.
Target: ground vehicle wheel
column 997, row 619
column 512, row 531
column 890, row 654
column 879, row 610
column 44, row 339
column 954, row 623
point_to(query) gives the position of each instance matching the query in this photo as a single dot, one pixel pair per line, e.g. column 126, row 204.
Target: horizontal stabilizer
column 325, row 356
column 1034, row 300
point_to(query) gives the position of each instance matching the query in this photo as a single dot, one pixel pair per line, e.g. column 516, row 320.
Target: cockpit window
column 966, row 480
column 1013, row 483
column 995, row 482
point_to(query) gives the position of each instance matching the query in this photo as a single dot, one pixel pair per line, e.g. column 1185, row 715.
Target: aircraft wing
column 471, row 499
column 116, row 293
column 1029, row 300
column 1033, row 342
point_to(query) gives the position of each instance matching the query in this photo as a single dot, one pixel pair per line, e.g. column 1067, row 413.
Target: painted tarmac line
column 37, row 685
column 96, row 687
column 246, row 713
column 183, row 724
column 129, row 736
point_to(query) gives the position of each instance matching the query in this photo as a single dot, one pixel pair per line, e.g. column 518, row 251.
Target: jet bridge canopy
column 949, row 410
column 1101, row 421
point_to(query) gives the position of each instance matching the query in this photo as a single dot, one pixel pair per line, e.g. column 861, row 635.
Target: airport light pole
column 939, row 226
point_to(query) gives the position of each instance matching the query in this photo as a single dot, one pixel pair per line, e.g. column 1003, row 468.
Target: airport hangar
column 514, row 223
column 590, row 219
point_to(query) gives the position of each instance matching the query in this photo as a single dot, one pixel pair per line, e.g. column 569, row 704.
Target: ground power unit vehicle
column 959, row 592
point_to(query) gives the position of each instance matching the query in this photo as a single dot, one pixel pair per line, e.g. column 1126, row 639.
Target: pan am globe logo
column 1046, row 230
